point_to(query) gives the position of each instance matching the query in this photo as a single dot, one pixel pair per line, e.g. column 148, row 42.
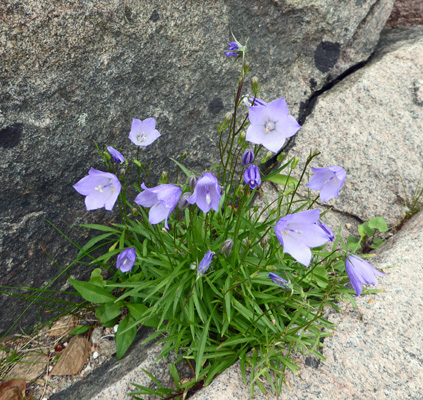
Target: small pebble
column 95, row 355
column 115, row 328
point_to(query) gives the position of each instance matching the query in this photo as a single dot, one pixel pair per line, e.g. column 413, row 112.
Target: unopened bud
column 247, row 158
column 164, row 177
column 271, row 268
column 246, row 67
column 255, row 85
column 135, row 211
column 267, row 157
column 227, row 247
column 281, row 156
column 192, row 181
column 295, row 162
column 183, row 203
column 254, row 274
column 136, row 162
column 107, row 155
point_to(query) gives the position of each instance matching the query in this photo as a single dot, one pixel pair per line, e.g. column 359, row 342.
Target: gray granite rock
column 75, row 72
column 371, row 124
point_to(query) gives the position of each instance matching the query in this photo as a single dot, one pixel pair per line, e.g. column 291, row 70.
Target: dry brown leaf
column 30, row 366
column 63, row 326
column 73, row 358
column 12, row 390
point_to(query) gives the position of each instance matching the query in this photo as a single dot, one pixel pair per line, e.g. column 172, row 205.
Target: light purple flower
column 278, row 280
column 257, row 102
column 247, row 158
column 252, row 176
column 205, row 262
column 119, row 158
column 162, row 199
column 233, row 50
column 126, row 259
column 100, row 188
column 299, row 232
column 328, row 180
column 327, row 230
column 143, row 133
column 360, row 271
column 271, row 125
column 206, row 193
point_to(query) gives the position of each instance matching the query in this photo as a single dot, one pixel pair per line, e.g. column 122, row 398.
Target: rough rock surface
column 406, row 13
column 371, row 124
column 375, row 352
column 73, row 72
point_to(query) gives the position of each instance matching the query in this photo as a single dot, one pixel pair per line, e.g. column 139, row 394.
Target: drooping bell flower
column 299, row 232
column 247, row 158
column 116, row 155
column 328, row 180
column 162, row 199
column 327, row 230
column 126, row 260
column 100, row 188
column 271, row 125
column 143, row 133
column 360, row 272
column 233, row 50
column 206, row 193
column 252, row 176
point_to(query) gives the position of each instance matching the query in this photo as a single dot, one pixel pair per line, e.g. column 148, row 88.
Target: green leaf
column 100, row 228
column 79, row 330
column 378, row 223
column 352, row 243
column 96, row 278
column 281, row 180
column 321, row 276
column 91, row 292
column 139, row 311
column 201, row 347
column 377, row 243
column 92, row 242
column 107, row 312
column 365, row 230
column 125, row 339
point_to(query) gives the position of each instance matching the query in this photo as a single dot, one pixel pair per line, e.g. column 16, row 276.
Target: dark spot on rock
column 312, row 362
column 128, row 14
column 326, row 55
column 11, row 136
column 359, row 2
column 154, row 16
column 216, row 105
column 313, row 83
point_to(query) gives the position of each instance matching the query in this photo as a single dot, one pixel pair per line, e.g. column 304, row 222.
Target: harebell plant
column 218, row 277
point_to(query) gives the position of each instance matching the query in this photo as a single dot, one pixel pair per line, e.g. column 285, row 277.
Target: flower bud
column 107, row 155
column 135, row 211
column 247, row 158
column 281, row 156
column 164, row 178
column 192, row 181
column 136, row 162
column 271, row 268
column 227, row 247
column 183, row 203
column 295, row 162
column 246, row 67
column 255, row 85
column 266, row 157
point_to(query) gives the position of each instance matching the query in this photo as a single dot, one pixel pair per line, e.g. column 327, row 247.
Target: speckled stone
column 74, row 72
column 371, row 124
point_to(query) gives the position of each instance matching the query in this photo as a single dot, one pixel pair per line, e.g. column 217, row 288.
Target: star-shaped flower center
column 269, row 126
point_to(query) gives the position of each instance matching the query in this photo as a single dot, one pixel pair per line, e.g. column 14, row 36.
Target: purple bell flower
column 233, row 50
column 100, row 188
column 327, row 230
column 205, row 262
column 248, row 100
column 126, row 260
column 328, row 180
column 206, row 193
column 278, row 280
column 118, row 157
column 247, row 158
column 162, row 199
column 252, row 176
column 143, row 133
column 271, row 125
column 360, row 272
column 299, row 232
